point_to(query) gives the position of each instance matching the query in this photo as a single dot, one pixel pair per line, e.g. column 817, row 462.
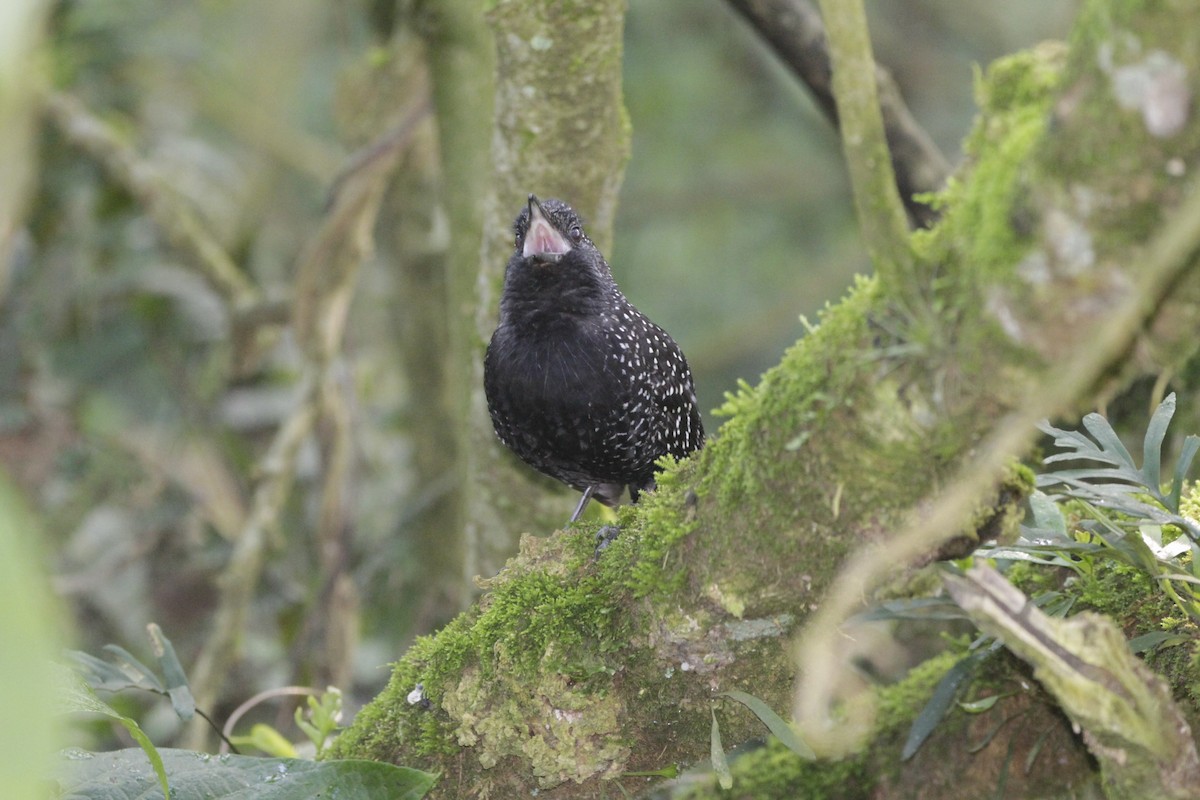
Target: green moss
column 899, row 704
column 881, row 434
column 537, row 655
column 562, row 733
column 981, row 226
column 772, row 772
column 547, row 658
column 741, row 491
column 1189, row 500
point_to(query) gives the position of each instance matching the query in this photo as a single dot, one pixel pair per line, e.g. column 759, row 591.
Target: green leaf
column 100, row 674
column 1188, row 452
column 1036, row 749
column 78, row 696
column 139, row 675
column 1048, row 517
column 1111, row 444
column 311, row 731
column 669, row 771
column 268, row 740
column 921, row 608
column 176, row 679
column 780, row 727
column 1149, row 642
column 940, row 702
column 982, row 704
column 719, row 763
column 196, row 776
column 1156, row 431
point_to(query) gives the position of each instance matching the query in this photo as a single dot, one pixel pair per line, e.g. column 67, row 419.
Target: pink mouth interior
column 542, row 239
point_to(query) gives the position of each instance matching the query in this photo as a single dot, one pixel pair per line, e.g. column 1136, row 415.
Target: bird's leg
column 583, row 501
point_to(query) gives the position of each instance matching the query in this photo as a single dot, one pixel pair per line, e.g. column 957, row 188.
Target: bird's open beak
column 543, row 241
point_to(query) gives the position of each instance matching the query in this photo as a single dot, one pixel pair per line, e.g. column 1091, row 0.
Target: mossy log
column 1066, row 250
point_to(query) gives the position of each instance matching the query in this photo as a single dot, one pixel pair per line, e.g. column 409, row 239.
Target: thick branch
column 578, row 667
column 1168, row 257
column 462, row 64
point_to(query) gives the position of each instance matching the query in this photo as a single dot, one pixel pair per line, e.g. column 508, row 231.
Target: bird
column 580, row 385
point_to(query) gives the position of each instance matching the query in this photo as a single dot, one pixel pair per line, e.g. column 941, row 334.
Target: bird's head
column 555, row 268
column 546, row 233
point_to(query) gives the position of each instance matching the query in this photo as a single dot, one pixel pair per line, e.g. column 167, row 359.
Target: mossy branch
column 1168, row 256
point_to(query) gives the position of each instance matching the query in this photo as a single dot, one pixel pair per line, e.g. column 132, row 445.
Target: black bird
column 580, row 385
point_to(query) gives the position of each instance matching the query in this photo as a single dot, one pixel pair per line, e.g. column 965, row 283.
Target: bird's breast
column 555, row 364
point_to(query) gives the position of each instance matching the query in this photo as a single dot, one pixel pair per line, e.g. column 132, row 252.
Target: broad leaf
column 125, row 774
column 78, row 696
column 176, row 679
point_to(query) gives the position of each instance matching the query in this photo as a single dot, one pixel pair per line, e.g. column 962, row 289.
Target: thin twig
column 239, row 712
column 275, row 473
column 327, row 268
column 794, row 30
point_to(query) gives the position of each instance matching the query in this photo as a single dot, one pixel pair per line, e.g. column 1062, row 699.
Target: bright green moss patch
column 535, row 653
column 900, row 703
column 982, row 224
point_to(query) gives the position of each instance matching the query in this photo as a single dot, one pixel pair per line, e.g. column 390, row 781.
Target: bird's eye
column 576, row 233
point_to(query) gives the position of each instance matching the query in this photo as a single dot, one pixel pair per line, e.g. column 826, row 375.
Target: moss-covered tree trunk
column 1067, row 243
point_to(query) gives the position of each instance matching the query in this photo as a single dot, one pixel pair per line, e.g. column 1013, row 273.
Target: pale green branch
column 1126, row 712
column 881, row 214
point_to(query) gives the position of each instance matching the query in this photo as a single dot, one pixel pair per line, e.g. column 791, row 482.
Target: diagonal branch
column 1168, row 256
column 1129, row 720
column 794, row 30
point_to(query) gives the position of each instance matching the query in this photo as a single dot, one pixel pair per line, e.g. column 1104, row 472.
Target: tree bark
column 462, row 63
column 1062, row 245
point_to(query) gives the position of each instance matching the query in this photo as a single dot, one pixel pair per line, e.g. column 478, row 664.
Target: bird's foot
column 606, row 536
